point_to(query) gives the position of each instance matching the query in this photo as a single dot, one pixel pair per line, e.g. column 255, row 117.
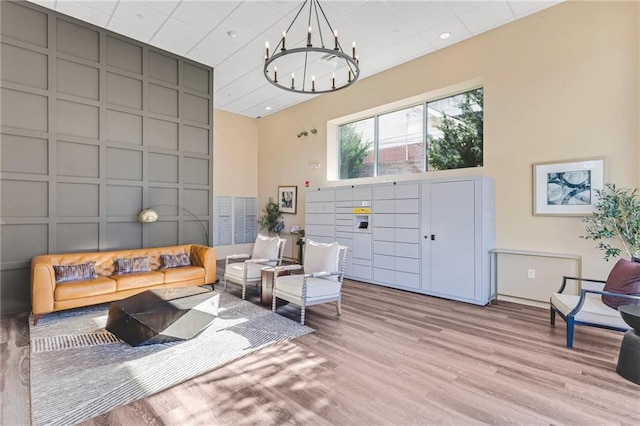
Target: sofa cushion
column 79, row 272
column 86, row 288
column 317, row 288
column 235, row 271
column 175, row 260
column 592, row 311
column 265, row 247
column 185, row 273
column 132, row 265
column 137, row 280
column 624, row 278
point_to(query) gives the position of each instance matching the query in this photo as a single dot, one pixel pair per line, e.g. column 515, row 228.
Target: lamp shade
column 148, row 216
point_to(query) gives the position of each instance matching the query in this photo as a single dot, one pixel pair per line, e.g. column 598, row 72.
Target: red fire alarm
column 306, row 183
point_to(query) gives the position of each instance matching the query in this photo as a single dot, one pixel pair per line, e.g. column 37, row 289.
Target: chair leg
column 36, row 317
column 244, row 290
column 273, row 302
column 552, row 313
column 225, row 284
column 302, row 315
column 570, row 326
column 339, row 305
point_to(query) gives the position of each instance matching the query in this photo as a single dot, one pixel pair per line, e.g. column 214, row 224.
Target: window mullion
column 376, row 145
column 425, row 137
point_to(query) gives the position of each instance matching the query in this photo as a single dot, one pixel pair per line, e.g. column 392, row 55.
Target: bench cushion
column 317, row 288
column 593, row 310
column 234, row 271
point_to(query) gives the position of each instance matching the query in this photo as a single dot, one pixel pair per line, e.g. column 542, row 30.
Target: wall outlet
column 531, row 273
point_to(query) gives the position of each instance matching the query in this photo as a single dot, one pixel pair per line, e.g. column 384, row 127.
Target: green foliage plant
column 353, row 151
column 616, row 216
column 461, row 143
column 271, row 216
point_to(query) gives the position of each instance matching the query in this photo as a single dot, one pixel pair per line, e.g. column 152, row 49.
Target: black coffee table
column 163, row 315
column 629, row 358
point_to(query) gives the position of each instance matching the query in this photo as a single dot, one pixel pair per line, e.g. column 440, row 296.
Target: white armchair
column 321, row 281
column 244, row 269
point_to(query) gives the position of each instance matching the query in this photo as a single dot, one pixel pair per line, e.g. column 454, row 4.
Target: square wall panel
column 16, row 290
column 194, row 232
column 24, row 110
column 163, row 168
column 21, row 154
column 23, row 23
column 124, row 91
column 21, row 242
column 78, row 199
column 163, row 100
column 77, row 40
column 195, row 139
column 24, row 198
column 23, row 66
column 163, row 134
column 78, row 80
column 197, row 201
column 124, row 55
column 124, row 164
column 195, row 108
column 196, row 170
column 163, row 68
column 123, row 235
column 196, row 78
column 124, row 127
column 78, row 159
column 77, row 119
column 166, row 200
column 78, row 237
column 124, row 200
column 161, row 233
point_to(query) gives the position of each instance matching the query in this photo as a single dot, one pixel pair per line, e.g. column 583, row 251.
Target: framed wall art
column 567, row 188
column 288, row 199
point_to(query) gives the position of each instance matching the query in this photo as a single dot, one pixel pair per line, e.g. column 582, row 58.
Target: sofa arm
column 206, row 257
column 43, row 285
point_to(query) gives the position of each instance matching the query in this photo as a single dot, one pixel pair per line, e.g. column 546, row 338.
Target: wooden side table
column 266, row 283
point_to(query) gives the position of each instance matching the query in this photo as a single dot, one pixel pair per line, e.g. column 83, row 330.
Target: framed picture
column 567, row 188
column 288, row 199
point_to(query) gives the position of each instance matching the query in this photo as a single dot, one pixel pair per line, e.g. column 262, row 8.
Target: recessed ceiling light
column 268, row 108
column 232, row 34
column 445, row 35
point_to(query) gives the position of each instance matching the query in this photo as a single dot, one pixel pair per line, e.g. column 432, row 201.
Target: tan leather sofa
column 47, row 296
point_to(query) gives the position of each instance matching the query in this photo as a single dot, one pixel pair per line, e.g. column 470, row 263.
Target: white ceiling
column 388, row 33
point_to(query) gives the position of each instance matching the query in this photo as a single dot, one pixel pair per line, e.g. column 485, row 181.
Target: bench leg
column 570, row 326
column 552, row 313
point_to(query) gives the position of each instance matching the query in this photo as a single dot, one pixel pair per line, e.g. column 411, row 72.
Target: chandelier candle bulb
column 293, row 80
column 335, row 39
column 266, row 50
column 275, row 74
column 333, row 80
column 353, row 50
column 349, row 76
column 284, row 35
column 309, row 38
column 313, row 83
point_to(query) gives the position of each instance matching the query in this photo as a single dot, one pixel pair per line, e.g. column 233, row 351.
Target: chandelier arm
column 315, row 7
column 292, row 22
column 304, row 72
column 327, row 21
column 309, row 21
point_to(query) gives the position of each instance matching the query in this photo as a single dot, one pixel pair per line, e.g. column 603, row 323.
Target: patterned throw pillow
column 82, row 271
column 624, row 278
column 175, row 260
column 133, row 265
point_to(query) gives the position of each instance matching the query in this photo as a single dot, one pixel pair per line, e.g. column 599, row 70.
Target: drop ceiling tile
column 255, row 15
column 524, row 8
column 454, row 27
column 222, row 44
column 428, row 15
column 179, row 31
column 49, row 4
column 165, row 7
column 412, row 48
column 252, row 55
column 341, row 8
column 221, row 6
column 169, row 45
column 198, row 15
column 130, row 30
column 380, row 61
column 204, row 57
column 487, row 16
column 370, row 15
column 283, row 7
column 80, row 11
column 101, row 6
column 403, row 7
column 140, row 14
column 460, row 7
column 227, row 72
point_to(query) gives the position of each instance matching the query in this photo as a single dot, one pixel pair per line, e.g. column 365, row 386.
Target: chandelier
column 308, row 66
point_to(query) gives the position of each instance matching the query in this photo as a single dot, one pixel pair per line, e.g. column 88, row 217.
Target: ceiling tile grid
column 230, row 35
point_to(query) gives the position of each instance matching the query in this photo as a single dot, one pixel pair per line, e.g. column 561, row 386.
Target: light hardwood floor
column 392, row 358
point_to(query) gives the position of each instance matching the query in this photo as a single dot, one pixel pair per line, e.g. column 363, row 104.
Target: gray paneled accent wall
column 95, row 127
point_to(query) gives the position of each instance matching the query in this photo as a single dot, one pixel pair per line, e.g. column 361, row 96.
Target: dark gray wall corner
column 94, row 127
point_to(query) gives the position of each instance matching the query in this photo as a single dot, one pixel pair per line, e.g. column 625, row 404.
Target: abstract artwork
column 567, row 187
column 288, row 199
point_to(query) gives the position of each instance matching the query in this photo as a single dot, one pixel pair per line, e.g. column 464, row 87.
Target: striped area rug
column 79, row 370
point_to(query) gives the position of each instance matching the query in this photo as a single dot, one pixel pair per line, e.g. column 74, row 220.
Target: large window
column 448, row 136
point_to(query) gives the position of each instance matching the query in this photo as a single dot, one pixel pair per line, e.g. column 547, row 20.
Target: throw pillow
column 265, row 247
column 624, row 278
column 79, row 272
column 133, row 265
column 320, row 257
column 175, row 260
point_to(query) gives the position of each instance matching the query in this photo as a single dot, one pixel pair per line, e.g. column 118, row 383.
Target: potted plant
column 270, row 219
column 616, row 216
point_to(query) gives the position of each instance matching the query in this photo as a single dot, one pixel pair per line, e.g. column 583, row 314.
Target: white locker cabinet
column 428, row 236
